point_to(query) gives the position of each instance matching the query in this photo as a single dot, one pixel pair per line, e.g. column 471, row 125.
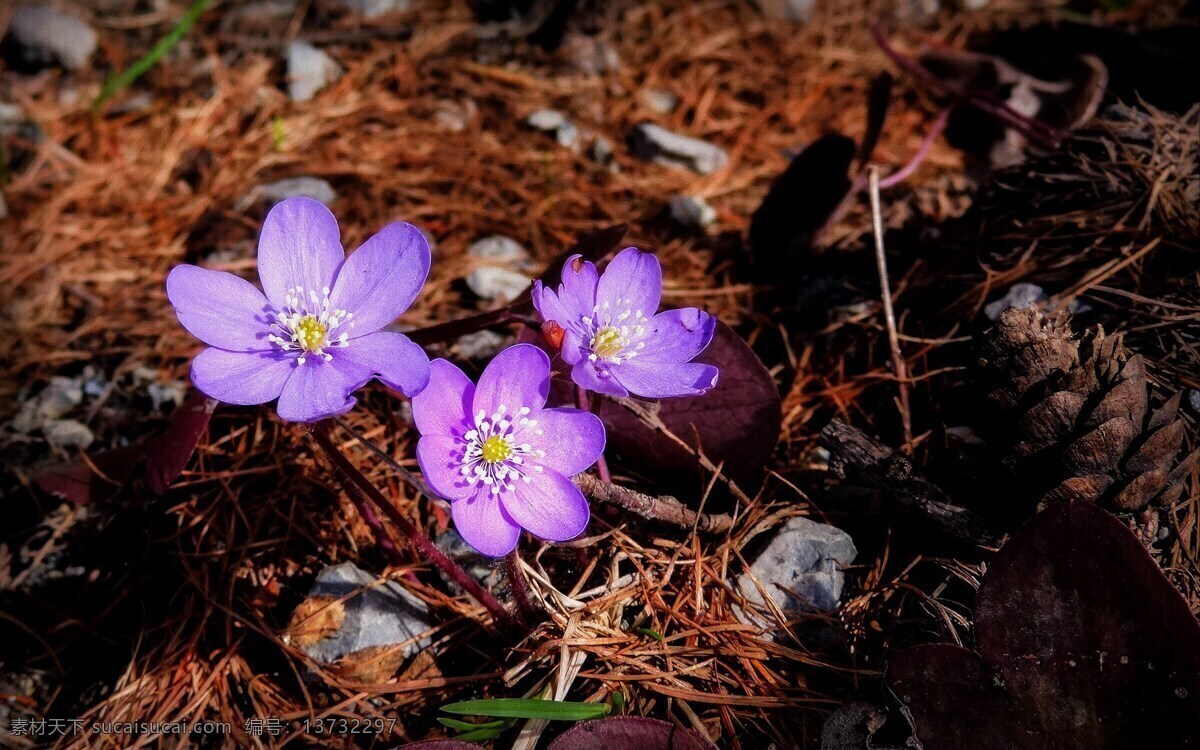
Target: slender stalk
column 520, row 587
column 899, row 364
column 900, row 175
column 581, row 398
column 363, row 493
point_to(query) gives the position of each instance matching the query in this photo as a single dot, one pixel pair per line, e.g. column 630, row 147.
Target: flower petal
column 678, row 335
column 573, row 349
column 220, row 309
column 548, row 506
column 634, row 276
column 586, row 376
column 242, row 378
column 392, row 357
column 482, row 523
column 550, row 307
column 381, row 279
column 579, row 282
column 572, row 439
column 299, row 245
column 318, row 389
column 440, row 458
column 665, row 379
column 444, row 405
column 518, row 376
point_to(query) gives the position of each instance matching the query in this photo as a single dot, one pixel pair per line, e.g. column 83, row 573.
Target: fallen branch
column 655, row 507
column 855, row 456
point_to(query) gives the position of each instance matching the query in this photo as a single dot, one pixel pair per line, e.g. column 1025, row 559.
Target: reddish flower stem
column 363, row 494
column 585, row 403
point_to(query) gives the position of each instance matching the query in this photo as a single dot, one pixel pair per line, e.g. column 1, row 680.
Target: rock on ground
column 59, row 396
column 788, row 10
column 556, row 124
column 309, row 71
column 356, row 624
column 375, row 8
column 45, row 35
column 497, row 278
column 290, row 187
column 661, row 146
column 800, row 570
column 692, row 212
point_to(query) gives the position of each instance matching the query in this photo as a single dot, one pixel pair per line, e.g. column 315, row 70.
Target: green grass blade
column 529, row 708
column 466, row 726
column 144, row 63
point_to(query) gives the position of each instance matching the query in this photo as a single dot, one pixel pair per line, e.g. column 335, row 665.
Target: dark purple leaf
column 737, row 422
column 630, row 733
column 169, row 454
column 441, row 745
column 1083, row 642
column 93, row 480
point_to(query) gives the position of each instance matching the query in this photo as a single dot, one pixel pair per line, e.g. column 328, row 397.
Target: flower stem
column 581, row 398
column 520, row 587
column 363, row 494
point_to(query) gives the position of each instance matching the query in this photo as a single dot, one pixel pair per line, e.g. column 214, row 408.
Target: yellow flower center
column 495, row 449
column 608, row 342
column 310, row 333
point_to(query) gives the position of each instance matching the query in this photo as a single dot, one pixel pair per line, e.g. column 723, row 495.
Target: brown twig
column 854, row 455
column 360, row 490
column 659, row 508
column 889, row 315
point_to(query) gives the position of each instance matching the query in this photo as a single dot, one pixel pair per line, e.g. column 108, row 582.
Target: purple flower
column 315, row 337
column 609, row 338
column 502, row 459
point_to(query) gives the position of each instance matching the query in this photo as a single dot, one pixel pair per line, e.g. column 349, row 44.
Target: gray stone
column 496, row 278
column 67, row 433
column 377, row 614
column 12, row 117
column 800, row 570
column 291, row 187
column 692, row 212
column 309, row 71
column 788, row 10
column 46, row 35
column 58, row 397
column 1194, row 400
column 482, row 569
column 661, row 146
column 556, row 124
column 480, row 345
column 1019, row 296
column 660, row 100
column 375, row 8
column 499, row 248
column 602, row 151
column 495, row 283
column 455, row 116
column 589, row 55
column 165, row 396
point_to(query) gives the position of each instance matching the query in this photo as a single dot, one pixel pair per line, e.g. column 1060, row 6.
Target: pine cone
column 1076, row 414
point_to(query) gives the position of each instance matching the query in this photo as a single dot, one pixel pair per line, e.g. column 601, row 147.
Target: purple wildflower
column 611, row 336
column 502, row 459
column 315, row 337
